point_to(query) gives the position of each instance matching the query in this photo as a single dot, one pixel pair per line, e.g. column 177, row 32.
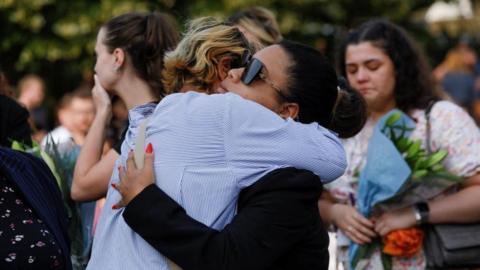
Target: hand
column 395, row 220
column 133, row 180
column 358, row 228
column 101, row 99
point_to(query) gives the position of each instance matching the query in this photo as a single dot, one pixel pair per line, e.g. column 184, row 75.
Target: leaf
column 403, row 144
column 419, row 174
column 17, row 146
column 392, row 119
column 448, row 176
column 437, row 157
column 414, row 149
column 51, row 164
column 364, row 252
column 420, row 163
column 386, row 261
column 437, row 167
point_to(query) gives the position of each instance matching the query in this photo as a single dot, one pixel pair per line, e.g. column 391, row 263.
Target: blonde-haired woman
column 207, row 44
column 259, row 26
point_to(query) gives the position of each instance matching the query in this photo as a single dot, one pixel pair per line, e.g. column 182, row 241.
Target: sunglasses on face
column 254, row 70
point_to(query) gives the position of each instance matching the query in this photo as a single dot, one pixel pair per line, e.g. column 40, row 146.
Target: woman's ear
column 224, row 65
column 119, row 55
column 289, row 110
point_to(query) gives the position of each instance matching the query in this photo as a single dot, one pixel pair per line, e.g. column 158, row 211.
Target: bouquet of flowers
column 399, row 173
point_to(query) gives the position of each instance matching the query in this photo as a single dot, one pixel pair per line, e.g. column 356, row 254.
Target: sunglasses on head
column 253, row 71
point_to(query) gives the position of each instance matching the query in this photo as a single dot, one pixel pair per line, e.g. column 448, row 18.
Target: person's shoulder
column 446, row 108
column 286, row 179
column 11, row 104
column 193, row 99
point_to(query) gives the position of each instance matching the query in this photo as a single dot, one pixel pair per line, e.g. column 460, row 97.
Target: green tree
column 55, row 38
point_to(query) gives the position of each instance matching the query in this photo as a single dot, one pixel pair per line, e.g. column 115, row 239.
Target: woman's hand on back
column 134, row 180
column 358, row 228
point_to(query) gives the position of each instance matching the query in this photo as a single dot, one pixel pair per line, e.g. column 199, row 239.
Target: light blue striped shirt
column 207, row 148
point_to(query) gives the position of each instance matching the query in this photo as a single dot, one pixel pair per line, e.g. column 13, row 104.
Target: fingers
column 370, row 233
column 148, row 160
column 98, row 85
column 354, row 225
column 121, row 203
column 123, row 177
column 362, row 220
column 131, row 162
column 355, row 235
column 364, row 225
column 381, row 228
column 120, row 188
column 360, row 233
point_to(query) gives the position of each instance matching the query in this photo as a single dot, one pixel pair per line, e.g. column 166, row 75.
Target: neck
column 134, row 91
column 188, row 87
column 377, row 113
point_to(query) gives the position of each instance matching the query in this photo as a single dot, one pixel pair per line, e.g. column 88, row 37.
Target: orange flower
column 403, row 243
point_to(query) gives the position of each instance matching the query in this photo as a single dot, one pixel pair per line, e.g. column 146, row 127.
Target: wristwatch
column 421, row 211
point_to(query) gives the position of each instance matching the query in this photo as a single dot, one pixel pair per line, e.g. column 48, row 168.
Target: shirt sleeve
column 454, row 130
column 257, row 141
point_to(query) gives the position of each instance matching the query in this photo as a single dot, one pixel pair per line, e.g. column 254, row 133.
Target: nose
column 362, row 75
column 235, row 74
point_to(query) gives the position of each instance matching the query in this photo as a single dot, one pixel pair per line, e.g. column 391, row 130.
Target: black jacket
column 278, row 226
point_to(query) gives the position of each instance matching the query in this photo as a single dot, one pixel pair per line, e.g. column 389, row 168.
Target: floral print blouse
column 25, row 241
column 452, row 129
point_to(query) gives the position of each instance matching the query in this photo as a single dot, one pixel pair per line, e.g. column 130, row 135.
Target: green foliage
column 55, row 38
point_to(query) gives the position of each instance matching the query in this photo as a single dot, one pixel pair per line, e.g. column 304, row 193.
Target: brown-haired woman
column 383, row 64
column 129, row 51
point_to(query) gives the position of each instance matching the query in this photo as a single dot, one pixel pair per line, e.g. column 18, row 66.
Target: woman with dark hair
column 129, row 52
column 277, row 225
column 385, row 67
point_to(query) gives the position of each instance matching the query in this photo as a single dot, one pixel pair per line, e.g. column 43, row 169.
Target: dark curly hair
column 415, row 86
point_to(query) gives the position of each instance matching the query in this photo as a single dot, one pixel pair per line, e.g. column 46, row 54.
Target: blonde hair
column 195, row 60
column 260, row 22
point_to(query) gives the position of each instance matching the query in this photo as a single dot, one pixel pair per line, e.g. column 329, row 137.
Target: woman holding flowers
column 382, row 63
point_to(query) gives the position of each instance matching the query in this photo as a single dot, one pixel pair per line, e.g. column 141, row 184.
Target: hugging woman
column 210, row 147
